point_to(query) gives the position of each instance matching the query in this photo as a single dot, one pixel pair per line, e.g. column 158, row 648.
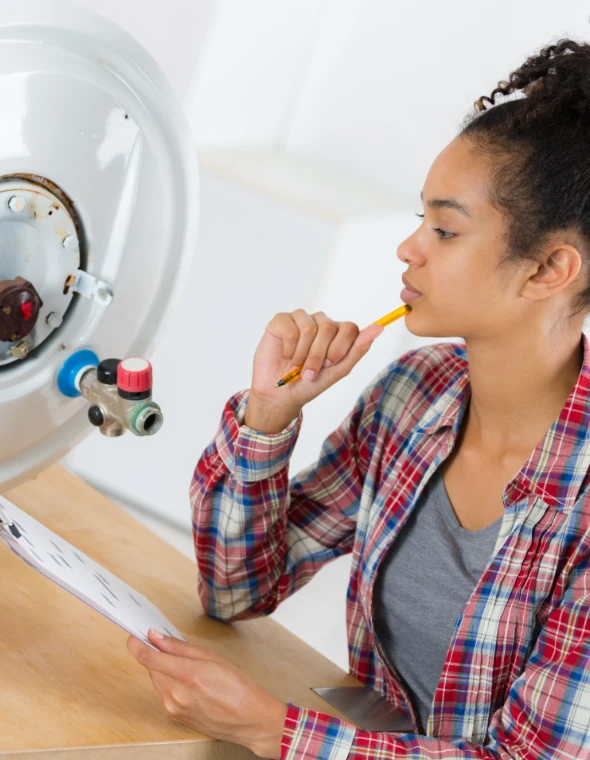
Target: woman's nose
column 407, row 251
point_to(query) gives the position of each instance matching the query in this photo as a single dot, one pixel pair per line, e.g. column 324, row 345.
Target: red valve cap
column 134, row 375
column 26, row 309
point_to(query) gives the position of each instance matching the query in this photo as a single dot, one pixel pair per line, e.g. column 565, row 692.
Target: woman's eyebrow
column 448, row 203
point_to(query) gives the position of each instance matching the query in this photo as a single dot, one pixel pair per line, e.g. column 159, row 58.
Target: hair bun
column 554, row 81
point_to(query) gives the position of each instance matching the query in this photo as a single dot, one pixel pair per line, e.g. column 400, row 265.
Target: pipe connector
column 119, row 393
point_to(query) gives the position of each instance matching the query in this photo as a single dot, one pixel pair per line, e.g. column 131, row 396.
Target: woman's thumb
column 364, row 341
column 368, row 334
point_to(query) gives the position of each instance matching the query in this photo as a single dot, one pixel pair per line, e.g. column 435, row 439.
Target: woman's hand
column 325, row 348
column 201, row 690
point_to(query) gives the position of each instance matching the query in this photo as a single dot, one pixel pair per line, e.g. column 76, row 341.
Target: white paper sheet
column 73, row 570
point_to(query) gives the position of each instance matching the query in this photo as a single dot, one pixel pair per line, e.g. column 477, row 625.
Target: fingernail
column 156, row 634
column 309, row 374
column 327, row 363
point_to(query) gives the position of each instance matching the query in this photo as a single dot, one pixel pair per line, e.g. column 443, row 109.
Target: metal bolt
column 21, row 350
column 69, row 243
column 16, row 203
column 54, row 319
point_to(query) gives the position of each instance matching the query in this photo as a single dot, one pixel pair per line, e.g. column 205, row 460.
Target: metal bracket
column 89, row 287
column 21, row 350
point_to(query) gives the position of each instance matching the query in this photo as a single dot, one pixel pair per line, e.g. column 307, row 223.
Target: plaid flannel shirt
column 516, row 679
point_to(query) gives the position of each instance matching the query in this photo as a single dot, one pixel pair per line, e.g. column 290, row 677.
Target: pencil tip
column 278, row 385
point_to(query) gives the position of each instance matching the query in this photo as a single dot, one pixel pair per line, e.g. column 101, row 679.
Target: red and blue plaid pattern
column 516, row 680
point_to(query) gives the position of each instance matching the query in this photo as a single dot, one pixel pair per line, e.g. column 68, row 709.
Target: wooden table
column 69, row 688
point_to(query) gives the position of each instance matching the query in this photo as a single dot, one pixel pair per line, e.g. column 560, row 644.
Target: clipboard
column 80, row 575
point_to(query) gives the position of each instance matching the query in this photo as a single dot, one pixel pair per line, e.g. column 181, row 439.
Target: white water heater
column 98, row 220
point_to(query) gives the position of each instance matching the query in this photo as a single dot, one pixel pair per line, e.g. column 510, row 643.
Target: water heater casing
column 87, row 109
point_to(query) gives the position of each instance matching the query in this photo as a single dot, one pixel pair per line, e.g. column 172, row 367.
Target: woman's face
column 453, row 256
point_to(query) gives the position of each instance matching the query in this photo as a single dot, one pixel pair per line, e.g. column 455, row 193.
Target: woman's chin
column 432, row 334
column 427, row 327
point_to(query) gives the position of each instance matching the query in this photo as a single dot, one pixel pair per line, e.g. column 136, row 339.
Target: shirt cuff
column 311, row 735
column 248, row 454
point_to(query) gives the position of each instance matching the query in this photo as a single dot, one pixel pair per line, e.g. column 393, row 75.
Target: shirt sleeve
column 546, row 715
column 258, row 537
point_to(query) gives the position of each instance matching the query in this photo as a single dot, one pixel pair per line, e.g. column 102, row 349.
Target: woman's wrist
column 268, row 743
column 267, row 418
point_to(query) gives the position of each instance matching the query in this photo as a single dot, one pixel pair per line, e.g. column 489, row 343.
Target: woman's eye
column 441, row 233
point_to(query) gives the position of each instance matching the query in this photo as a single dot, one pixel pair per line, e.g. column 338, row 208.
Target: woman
column 458, row 481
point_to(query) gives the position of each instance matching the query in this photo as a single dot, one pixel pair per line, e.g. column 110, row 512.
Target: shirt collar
column 557, row 468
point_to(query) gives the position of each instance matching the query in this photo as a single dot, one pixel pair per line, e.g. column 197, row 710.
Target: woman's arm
column 545, row 717
column 259, row 537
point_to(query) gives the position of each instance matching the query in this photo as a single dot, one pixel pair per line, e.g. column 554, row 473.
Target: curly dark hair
column 540, row 143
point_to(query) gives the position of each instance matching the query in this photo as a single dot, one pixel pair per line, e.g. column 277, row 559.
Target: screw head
column 54, row 319
column 69, row 243
column 16, row 203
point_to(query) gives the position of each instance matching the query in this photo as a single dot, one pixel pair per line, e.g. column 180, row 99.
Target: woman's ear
column 555, row 273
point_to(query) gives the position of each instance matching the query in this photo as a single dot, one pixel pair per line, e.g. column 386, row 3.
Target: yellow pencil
column 386, row 320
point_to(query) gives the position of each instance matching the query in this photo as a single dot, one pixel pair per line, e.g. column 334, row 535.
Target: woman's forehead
column 458, row 179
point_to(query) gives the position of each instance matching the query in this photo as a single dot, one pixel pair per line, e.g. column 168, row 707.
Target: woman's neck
column 518, row 388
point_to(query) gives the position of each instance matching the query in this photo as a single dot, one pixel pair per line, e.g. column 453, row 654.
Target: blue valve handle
column 68, row 379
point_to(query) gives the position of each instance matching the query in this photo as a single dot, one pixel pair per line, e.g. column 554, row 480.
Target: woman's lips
column 408, row 295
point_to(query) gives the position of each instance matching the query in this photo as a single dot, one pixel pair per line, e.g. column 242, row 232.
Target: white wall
column 251, row 75
column 373, row 86
column 390, row 82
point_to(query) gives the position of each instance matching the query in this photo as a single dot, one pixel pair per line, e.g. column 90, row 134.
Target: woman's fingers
column 359, row 348
column 314, row 341
column 340, row 346
column 310, row 342
column 171, row 659
column 172, row 645
column 285, row 328
column 313, row 354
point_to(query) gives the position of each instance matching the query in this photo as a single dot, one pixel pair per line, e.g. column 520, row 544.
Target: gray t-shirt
column 423, row 582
